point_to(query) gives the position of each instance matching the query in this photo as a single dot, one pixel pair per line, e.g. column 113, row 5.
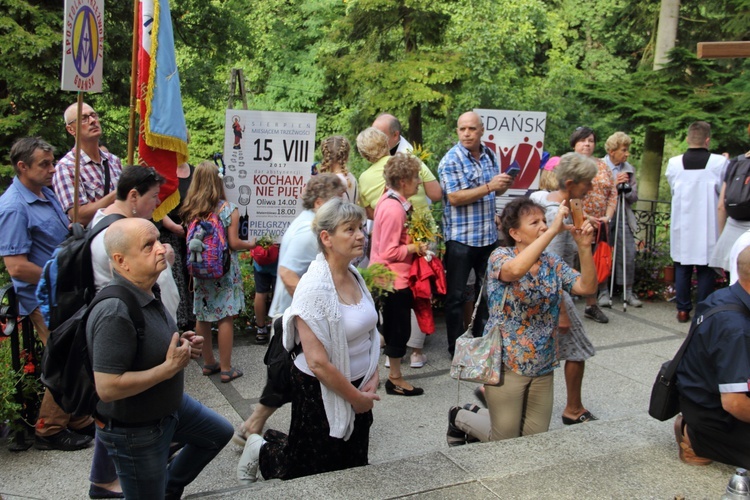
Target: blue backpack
column 67, row 280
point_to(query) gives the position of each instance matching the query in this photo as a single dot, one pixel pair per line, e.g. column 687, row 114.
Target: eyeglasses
column 86, row 118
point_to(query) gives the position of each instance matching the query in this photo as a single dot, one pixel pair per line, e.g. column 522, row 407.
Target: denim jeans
column 103, row 469
column 140, row 453
column 682, row 278
column 459, row 260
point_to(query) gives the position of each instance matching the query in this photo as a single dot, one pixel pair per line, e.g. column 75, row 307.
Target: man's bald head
column 743, row 265
column 470, row 117
column 71, row 112
column 135, row 252
column 390, row 126
column 121, row 235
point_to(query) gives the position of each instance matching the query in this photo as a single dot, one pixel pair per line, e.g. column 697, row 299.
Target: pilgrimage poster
column 268, row 157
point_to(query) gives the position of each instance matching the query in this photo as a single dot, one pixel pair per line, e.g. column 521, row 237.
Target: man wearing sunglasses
column 99, row 169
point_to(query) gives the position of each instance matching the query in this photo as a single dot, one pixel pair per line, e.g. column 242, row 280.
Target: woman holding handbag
column 523, row 287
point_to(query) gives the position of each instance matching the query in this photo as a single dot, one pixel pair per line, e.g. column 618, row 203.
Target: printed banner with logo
column 162, row 138
column 83, row 46
column 515, row 136
column 268, row 157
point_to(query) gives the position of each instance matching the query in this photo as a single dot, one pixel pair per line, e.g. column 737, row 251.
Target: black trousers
column 717, row 435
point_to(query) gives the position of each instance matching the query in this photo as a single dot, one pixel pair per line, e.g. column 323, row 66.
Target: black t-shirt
column 114, row 347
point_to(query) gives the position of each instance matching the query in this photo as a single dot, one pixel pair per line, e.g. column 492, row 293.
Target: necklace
column 341, row 299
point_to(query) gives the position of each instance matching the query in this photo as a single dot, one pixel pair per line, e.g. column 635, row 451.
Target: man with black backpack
column 33, row 225
column 139, row 375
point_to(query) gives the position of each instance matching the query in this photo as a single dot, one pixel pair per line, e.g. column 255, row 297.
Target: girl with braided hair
column 335, row 151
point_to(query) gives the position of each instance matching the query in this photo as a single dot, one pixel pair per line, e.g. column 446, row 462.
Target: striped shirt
column 91, row 186
column 472, row 224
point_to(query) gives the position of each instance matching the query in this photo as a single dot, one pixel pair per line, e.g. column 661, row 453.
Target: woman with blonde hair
column 218, row 299
column 618, row 151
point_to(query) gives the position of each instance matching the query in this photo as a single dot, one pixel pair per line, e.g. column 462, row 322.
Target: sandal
column 211, row 369
column 230, row 375
column 583, row 417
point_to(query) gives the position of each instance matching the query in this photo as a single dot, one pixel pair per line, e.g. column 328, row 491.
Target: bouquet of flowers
column 421, row 226
column 378, row 279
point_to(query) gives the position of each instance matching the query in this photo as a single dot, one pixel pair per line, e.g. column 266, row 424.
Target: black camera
column 624, row 188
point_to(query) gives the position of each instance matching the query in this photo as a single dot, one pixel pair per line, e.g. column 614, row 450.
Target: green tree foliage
column 584, row 63
column 30, row 94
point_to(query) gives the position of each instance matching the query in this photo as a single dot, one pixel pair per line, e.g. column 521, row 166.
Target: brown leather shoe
column 683, row 316
column 686, row 453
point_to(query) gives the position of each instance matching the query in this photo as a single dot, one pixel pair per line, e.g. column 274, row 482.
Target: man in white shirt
column 695, row 179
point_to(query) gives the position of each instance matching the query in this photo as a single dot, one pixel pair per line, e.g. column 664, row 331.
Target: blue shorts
column 264, row 282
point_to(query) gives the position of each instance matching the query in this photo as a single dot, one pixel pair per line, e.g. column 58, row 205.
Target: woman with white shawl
column 335, row 377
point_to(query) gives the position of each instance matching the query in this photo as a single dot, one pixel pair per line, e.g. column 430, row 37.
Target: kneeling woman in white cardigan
column 335, row 377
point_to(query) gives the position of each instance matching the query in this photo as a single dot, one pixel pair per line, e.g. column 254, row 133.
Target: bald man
column 99, row 169
column 391, row 127
column 470, row 177
column 140, row 381
column 713, row 380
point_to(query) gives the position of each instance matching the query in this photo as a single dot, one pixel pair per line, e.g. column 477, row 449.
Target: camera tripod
column 620, row 222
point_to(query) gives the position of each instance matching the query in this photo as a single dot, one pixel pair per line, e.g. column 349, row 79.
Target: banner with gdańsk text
column 268, row 157
column 515, row 136
column 83, row 46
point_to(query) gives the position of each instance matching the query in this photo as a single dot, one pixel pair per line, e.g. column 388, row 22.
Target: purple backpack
column 208, row 247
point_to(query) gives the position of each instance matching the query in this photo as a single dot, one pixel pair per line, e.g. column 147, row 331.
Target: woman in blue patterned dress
column 221, row 299
column 524, row 285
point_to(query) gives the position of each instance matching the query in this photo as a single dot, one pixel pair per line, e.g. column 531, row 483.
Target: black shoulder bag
column 665, row 401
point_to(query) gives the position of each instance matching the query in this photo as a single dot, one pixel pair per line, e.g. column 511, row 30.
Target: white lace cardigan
column 316, row 302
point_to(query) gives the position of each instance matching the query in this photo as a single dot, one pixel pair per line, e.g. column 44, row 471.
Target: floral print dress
column 530, row 311
column 219, row 298
column 603, row 193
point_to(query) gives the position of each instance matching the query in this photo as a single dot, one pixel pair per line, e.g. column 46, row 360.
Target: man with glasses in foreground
column 99, row 169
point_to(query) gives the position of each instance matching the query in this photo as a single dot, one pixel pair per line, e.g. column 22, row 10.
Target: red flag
column 162, row 138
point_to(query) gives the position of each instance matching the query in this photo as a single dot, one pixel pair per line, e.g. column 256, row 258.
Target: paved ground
column 624, row 455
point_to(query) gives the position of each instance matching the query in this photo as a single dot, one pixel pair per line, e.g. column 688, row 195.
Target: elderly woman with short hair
column 575, row 174
column 599, row 204
column 618, row 151
column 335, row 377
column 392, row 247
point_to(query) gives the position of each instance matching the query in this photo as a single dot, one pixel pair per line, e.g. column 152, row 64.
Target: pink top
column 389, row 239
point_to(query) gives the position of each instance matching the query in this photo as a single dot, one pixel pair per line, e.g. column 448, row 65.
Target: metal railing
column 652, row 232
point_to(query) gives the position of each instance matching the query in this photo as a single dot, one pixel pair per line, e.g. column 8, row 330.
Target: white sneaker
column 418, row 360
column 634, row 301
column 387, row 362
column 247, row 468
column 604, row 300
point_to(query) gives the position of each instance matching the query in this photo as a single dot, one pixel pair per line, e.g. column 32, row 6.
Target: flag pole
column 77, row 177
column 133, row 81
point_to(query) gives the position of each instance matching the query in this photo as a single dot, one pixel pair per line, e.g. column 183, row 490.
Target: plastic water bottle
column 738, row 487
